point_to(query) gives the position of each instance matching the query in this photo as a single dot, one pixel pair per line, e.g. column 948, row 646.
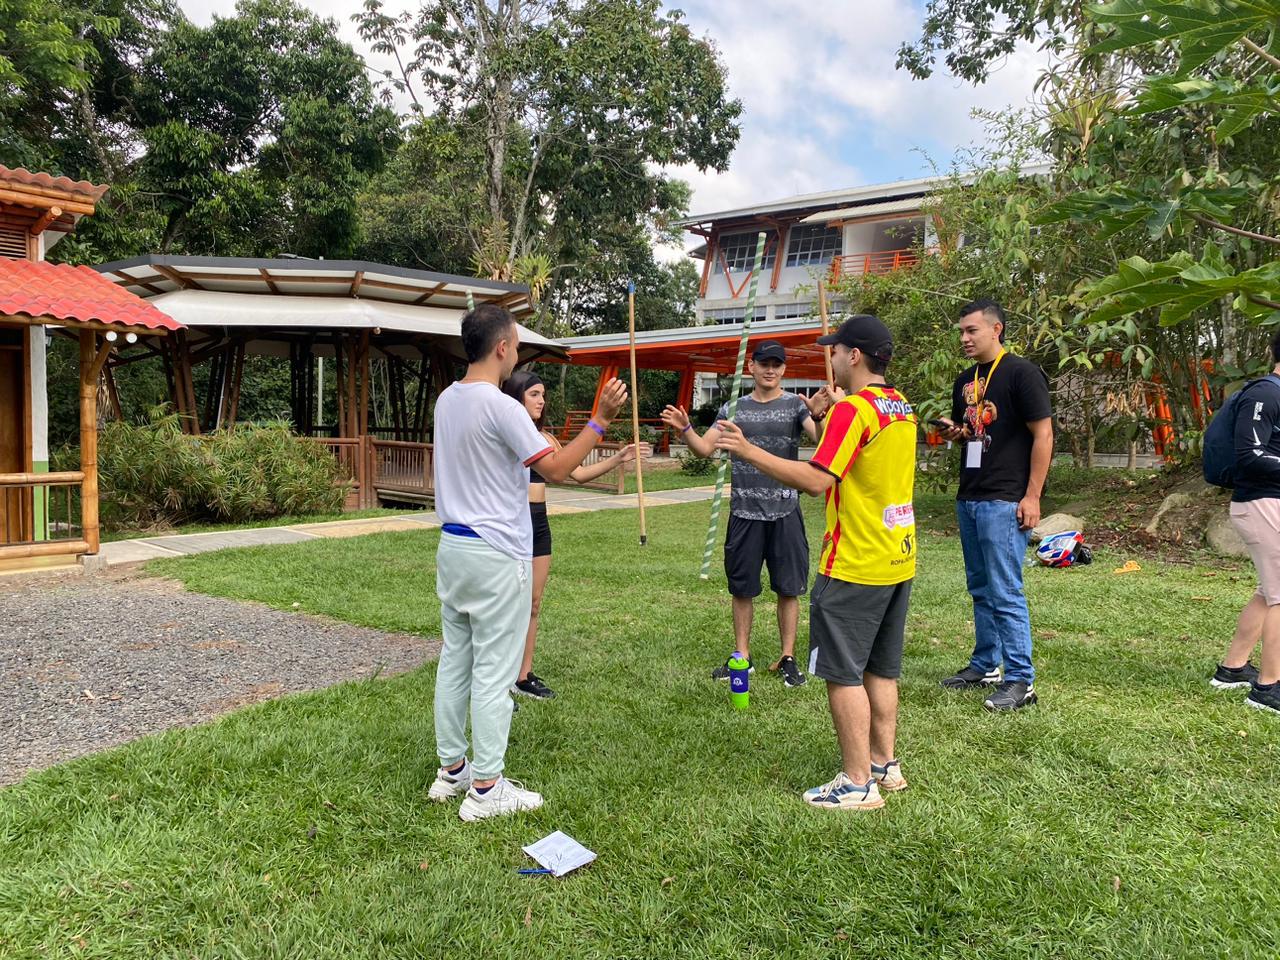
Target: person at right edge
column 1002, row 417
column 1255, row 513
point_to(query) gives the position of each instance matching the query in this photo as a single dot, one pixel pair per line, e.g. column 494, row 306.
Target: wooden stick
column 635, row 408
column 714, row 525
column 822, row 311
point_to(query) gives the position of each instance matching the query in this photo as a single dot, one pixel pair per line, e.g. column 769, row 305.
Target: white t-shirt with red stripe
column 484, row 444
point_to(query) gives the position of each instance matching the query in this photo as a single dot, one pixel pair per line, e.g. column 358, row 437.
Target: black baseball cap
column 769, row 350
column 865, row 332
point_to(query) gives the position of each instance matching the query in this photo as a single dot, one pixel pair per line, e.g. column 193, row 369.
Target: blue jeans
column 994, row 548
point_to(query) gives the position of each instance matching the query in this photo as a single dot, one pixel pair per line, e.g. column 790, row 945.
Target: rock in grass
column 1222, row 538
column 1056, row 523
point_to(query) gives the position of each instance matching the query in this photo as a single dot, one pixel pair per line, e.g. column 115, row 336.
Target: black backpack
column 1220, row 438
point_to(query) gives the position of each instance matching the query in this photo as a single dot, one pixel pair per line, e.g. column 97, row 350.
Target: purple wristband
column 596, row 427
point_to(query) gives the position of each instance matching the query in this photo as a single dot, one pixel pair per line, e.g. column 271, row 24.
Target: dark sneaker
column 969, row 678
column 1264, row 698
column 791, row 675
column 722, row 672
column 1231, row 678
column 532, row 686
column 1011, row 695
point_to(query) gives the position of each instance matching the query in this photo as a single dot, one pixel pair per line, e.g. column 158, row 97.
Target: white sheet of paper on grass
column 560, row 853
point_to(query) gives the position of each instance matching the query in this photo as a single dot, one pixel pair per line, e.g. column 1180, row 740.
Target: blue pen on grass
column 530, row 871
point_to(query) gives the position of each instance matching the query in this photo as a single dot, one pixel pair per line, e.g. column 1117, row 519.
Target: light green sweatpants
column 485, row 598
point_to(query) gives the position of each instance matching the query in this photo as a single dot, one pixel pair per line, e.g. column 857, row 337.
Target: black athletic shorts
column 541, row 530
column 781, row 544
column 856, row 627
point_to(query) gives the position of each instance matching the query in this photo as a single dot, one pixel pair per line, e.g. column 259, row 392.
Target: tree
column 46, row 55
column 974, row 34
column 575, row 104
column 1207, row 202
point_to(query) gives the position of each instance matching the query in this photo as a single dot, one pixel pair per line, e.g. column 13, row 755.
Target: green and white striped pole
column 471, row 302
column 714, row 526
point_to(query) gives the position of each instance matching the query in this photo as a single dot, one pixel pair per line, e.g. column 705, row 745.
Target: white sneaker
column 449, row 785
column 506, row 796
column 843, row 794
column 889, row 777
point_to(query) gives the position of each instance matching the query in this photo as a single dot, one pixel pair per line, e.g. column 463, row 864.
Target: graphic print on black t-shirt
column 1017, row 394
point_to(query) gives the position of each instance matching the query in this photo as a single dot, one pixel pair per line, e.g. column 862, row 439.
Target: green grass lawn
column 1132, row 814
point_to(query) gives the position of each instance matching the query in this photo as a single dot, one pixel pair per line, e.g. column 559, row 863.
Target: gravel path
column 94, row 661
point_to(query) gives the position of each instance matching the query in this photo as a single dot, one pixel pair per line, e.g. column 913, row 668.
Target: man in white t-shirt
column 484, row 445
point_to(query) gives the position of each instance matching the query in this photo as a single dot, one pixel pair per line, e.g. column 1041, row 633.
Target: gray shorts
column 855, row 627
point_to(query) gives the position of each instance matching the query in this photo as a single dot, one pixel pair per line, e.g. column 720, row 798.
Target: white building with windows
column 833, row 235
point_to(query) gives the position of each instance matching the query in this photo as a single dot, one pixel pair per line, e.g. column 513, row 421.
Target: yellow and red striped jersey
column 869, row 446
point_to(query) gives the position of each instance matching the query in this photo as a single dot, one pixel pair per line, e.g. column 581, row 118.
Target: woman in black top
column 529, row 389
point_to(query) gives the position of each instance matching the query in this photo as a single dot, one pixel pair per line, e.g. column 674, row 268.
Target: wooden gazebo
column 342, row 313
column 50, row 518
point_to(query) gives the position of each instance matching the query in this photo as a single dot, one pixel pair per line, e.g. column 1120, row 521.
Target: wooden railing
column 353, row 461
column 40, row 515
column 612, row 482
column 885, row 261
column 400, row 470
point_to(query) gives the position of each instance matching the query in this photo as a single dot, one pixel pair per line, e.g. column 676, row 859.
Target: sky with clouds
column 823, row 106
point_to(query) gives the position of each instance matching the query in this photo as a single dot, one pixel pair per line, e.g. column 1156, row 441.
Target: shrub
column 696, row 466
column 153, row 474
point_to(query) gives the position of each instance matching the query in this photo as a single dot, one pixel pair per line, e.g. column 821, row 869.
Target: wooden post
column 351, row 428
column 89, row 439
column 339, row 385
column 236, row 380
column 362, row 427
column 822, row 311
column 635, row 409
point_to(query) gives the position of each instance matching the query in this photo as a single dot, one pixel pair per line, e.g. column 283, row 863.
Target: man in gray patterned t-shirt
column 765, row 523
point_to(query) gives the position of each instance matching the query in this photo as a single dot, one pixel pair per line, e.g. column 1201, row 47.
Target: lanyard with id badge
column 975, row 448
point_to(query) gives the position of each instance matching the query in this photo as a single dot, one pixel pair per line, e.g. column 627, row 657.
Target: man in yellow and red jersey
column 865, row 464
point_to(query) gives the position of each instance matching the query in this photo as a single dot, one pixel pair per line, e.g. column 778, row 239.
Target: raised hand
column 612, row 398
column 675, row 417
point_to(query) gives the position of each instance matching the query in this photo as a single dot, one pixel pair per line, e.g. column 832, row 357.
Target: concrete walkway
column 559, row 501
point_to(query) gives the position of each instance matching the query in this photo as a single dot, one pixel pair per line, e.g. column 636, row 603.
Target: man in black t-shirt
column 1003, row 421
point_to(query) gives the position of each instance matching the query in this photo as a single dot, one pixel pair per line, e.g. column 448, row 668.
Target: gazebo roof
column 708, row 349
column 51, row 292
column 269, row 323
column 156, row 274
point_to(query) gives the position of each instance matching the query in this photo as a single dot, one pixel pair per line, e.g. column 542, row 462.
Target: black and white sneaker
column 722, row 672
column 1011, row 695
column 532, row 686
column 1232, row 678
column 969, row 678
column 1264, row 698
column 790, row 673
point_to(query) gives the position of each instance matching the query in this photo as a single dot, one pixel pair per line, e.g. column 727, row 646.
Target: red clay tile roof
column 23, row 176
column 73, row 293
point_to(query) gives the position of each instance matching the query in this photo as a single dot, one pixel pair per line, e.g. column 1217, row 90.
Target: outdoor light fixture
column 111, row 336
column 130, row 338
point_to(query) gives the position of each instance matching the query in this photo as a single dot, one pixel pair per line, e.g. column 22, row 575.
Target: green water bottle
column 739, row 680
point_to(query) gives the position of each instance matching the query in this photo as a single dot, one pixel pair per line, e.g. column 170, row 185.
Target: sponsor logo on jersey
column 892, row 408
column 899, row 515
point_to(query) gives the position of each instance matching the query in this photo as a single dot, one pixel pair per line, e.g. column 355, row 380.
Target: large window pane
column 812, row 245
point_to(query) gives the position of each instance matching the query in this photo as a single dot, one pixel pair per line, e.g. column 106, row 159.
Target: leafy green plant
column 153, row 474
column 696, row 466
